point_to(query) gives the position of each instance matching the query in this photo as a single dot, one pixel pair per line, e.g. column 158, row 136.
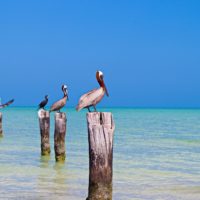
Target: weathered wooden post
column 100, row 137
column 44, row 122
column 59, row 136
column 1, row 130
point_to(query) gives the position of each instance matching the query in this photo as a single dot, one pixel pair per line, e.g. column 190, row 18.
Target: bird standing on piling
column 93, row 97
column 6, row 104
column 44, row 102
column 61, row 103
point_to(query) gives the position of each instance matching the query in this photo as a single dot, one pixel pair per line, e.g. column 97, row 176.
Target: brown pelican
column 94, row 96
column 7, row 103
column 44, row 102
column 61, row 103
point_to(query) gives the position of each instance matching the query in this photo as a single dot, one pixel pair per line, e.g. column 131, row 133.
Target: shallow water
column 156, row 156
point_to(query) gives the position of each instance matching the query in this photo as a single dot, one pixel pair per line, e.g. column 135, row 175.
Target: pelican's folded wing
column 85, row 95
column 7, row 104
column 81, row 103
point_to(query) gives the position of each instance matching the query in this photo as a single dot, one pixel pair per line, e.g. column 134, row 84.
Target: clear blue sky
column 149, row 51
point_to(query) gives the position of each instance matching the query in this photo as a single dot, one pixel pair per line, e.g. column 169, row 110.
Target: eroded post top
column 101, row 118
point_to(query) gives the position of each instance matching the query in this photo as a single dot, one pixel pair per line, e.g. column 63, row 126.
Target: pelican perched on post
column 44, row 102
column 93, row 97
column 60, row 103
column 6, row 104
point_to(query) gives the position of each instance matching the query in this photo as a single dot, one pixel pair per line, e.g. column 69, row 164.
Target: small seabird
column 60, row 103
column 7, row 103
column 93, row 97
column 44, row 102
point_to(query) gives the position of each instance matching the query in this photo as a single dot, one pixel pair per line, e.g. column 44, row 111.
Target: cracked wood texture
column 1, row 130
column 59, row 136
column 100, row 137
column 44, row 122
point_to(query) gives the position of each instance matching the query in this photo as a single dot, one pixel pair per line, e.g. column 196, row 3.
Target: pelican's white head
column 64, row 87
column 65, row 90
column 99, row 77
column 100, row 73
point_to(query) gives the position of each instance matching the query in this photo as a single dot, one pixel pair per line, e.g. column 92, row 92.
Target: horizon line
column 123, row 107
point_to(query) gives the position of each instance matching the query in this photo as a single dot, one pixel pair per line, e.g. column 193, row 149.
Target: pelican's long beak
column 66, row 92
column 106, row 90
column 104, row 86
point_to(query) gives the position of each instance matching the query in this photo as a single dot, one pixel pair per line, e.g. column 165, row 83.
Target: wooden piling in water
column 59, row 136
column 44, row 123
column 1, row 129
column 100, row 137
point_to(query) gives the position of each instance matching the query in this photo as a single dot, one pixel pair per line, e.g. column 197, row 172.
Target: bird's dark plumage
column 7, row 103
column 44, row 102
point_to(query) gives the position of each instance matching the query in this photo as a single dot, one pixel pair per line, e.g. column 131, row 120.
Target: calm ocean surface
column 156, row 156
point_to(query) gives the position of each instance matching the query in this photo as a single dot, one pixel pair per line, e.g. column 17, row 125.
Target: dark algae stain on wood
column 100, row 137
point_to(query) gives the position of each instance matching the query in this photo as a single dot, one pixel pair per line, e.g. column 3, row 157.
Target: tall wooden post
column 59, row 136
column 1, row 130
column 44, row 122
column 100, row 137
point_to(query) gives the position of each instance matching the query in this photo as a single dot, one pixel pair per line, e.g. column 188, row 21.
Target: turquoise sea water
column 156, row 156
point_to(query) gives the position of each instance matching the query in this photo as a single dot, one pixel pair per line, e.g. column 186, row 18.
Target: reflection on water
column 44, row 160
column 52, row 179
column 156, row 156
column 60, row 175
